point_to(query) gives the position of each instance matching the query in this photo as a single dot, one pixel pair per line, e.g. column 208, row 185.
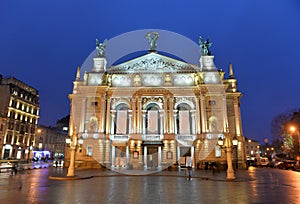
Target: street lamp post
column 230, row 172
column 235, row 143
column 73, row 146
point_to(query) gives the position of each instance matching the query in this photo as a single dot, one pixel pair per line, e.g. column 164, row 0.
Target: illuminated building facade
column 154, row 111
column 19, row 108
column 51, row 139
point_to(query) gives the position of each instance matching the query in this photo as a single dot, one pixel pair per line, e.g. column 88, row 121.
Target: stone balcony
column 152, row 137
column 119, row 137
column 186, row 137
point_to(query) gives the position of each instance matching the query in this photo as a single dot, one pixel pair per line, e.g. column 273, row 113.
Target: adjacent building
column 50, row 142
column 154, row 111
column 253, row 149
column 19, row 114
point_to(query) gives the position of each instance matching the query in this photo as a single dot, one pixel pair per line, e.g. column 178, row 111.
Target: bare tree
column 278, row 123
column 279, row 127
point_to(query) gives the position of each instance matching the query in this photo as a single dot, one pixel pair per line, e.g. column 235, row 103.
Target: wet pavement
column 257, row 185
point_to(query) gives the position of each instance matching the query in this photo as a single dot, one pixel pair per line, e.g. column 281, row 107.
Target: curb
column 69, row 178
column 34, row 167
column 195, row 177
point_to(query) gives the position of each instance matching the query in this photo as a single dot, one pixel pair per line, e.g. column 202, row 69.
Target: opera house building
column 155, row 111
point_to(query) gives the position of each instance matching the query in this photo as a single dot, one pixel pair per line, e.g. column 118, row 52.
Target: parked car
column 6, row 166
column 274, row 163
column 263, row 162
column 251, row 162
column 286, row 164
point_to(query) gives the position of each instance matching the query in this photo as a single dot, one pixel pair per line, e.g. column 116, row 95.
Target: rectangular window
column 152, row 122
column 218, row 151
column 185, row 151
column 184, row 122
column 89, row 150
column 135, row 154
column 121, row 122
column 169, row 155
column 94, row 103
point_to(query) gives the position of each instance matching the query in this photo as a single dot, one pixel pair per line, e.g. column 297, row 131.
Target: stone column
column 198, row 115
column 165, row 119
column 130, row 121
column 82, row 125
column 192, row 155
column 193, row 112
column 159, row 157
column 145, row 157
column 175, row 121
column 224, row 108
column 112, row 127
column 138, row 118
column 178, row 152
column 203, row 113
column 144, row 121
column 107, row 115
column 127, row 154
column 113, row 156
column 102, row 117
column 237, row 117
column 161, row 115
column 170, row 115
column 134, row 116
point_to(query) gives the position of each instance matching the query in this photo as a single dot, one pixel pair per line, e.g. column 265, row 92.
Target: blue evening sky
column 42, row 42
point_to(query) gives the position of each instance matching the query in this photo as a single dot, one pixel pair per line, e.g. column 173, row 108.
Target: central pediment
column 153, row 62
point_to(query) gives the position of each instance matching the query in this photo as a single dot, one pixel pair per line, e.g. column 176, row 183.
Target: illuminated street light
column 220, row 141
column 73, row 145
column 228, row 142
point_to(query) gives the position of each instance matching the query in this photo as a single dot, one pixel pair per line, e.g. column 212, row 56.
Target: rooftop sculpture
column 101, row 47
column 204, row 45
column 152, row 37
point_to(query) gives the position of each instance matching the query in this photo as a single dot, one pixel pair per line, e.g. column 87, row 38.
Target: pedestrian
column 206, row 165
column 14, row 169
column 56, row 163
column 189, row 168
column 213, row 167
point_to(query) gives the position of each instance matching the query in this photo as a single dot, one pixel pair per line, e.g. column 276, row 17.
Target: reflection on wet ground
column 266, row 186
